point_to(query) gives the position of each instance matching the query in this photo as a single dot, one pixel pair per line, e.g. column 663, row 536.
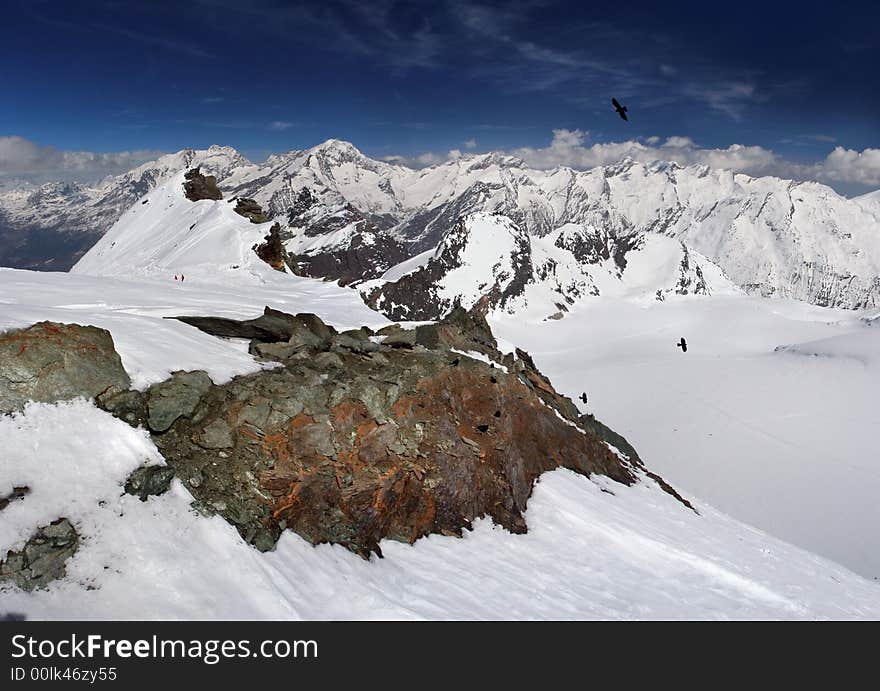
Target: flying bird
column 683, row 345
column 621, row 110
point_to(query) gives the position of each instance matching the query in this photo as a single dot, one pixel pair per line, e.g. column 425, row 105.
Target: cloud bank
column 22, row 158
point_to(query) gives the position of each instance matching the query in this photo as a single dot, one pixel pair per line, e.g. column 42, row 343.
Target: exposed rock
column 352, row 446
column 149, row 481
column 54, row 362
column 175, row 398
column 198, row 186
column 273, row 351
column 42, row 559
column 250, row 210
column 129, row 406
column 355, row 341
column 352, row 441
column 273, row 326
column 272, row 251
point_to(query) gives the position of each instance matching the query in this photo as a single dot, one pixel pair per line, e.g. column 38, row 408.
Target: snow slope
column 594, row 550
column 152, row 347
column 165, row 233
column 870, row 202
column 771, row 415
column 51, row 226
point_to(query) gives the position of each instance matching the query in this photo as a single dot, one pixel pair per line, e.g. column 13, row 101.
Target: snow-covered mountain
column 870, row 202
column 769, row 236
column 621, row 352
column 347, row 217
column 486, row 258
column 51, row 226
column 166, row 234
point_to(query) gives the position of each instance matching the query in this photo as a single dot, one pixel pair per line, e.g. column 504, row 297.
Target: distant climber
column 584, row 398
column 181, row 278
column 683, row 345
column 621, row 110
column 175, row 277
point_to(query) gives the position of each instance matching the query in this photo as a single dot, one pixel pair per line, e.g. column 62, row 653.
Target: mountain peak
column 337, row 146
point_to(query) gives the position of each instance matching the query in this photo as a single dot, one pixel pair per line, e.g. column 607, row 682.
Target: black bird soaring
column 621, row 110
column 683, row 345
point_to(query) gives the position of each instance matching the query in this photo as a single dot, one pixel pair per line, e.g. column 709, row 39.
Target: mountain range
column 558, row 235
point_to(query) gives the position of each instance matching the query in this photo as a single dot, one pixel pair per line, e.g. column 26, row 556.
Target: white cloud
column 847, row 165
column 23, row 158
column 676, row 142
column 470, row 144
column 570, row 148
column 280, row 125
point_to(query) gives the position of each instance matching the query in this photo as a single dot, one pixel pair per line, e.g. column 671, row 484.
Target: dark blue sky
column 410, row 77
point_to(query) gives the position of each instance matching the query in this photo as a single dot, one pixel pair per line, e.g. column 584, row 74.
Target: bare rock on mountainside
column 43, row 557
column 250, row 210
column 198, row 186
column 356, row 437
column 352, row 441
column 270, row 327
column 53, row 362
column 271, row 250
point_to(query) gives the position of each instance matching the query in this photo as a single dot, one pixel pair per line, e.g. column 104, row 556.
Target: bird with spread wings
column 621, row 110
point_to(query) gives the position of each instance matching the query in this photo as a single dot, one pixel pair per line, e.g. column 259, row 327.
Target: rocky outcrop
column 16, row 494
column 272, row 250
column 270, row 327
column 250, row 210
column 53, row 362
column 357, row 438
column 42, row 559
column 198, row 186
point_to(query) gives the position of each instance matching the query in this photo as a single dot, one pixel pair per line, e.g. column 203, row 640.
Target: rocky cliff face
column 330, row 238
column 272, row 250
column 358, row 437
